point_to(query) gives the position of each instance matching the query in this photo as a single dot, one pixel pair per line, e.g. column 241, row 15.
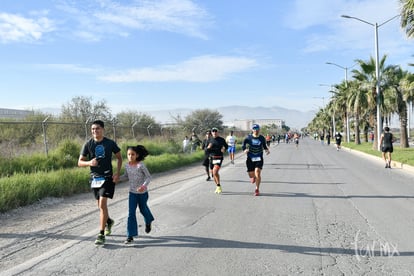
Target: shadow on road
column 202, row 242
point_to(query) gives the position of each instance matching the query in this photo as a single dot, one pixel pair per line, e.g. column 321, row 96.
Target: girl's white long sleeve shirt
column 136, row 175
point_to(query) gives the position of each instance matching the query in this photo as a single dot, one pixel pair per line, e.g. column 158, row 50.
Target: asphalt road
column 321, row 212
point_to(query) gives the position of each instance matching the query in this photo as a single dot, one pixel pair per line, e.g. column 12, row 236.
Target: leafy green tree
column 138, row 123
column 82, row 109
column 200, row 120
column 79, row 112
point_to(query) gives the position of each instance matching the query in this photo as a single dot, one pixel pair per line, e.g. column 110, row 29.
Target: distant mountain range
column 293, row 118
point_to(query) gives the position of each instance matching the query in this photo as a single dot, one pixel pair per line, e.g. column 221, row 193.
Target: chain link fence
column 23, row 137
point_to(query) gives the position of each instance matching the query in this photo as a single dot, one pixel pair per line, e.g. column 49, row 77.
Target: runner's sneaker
column 147, row 228
column 100, row 239
column 256, row 192
column 129, row 240
column 109, row 227
column 252, row 180
column 218, row 190
column 208, row 178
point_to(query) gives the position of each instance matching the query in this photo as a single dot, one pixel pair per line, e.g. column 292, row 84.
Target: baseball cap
column 255, row 126
column 214, row 129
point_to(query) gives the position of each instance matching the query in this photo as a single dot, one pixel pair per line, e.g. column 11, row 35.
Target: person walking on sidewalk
column 253, row 145
column 386, row 141
column 138, row 178
column 216, row 147
column 96, row 153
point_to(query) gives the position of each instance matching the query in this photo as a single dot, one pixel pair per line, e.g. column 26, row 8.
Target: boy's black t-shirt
column 102, row 151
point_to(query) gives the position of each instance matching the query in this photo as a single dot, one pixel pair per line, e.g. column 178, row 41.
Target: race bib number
column 97, row 182
column 256, row 159
column 216, row 161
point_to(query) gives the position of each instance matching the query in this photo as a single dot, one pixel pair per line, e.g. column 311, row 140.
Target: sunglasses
column 214, row 130
column 256, row 128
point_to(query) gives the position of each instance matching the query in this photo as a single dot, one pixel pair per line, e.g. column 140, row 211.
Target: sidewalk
column 394, row 164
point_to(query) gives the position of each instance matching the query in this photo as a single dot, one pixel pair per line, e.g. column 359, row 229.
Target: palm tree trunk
column 357, row 131
column 373, row 122
column 403, row 126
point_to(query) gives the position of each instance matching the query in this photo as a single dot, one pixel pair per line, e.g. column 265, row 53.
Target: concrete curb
column 394, row 164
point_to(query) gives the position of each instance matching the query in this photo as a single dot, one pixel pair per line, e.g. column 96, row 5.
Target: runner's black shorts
column 215, row 161
column 251, row 166
column 387, row 149
column 106, row 190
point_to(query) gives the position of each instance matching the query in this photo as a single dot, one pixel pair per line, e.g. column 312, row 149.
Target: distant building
column 6, row 113
column 247, row 124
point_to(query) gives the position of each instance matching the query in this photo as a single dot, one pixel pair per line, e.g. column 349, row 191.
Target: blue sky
column 154, row 55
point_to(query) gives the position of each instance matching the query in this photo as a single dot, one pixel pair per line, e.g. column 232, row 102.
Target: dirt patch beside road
column 30, row 231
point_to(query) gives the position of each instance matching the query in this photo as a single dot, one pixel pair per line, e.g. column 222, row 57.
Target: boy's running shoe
column 108, row 229
column 129, row 240
column 218, row 190
column 147, row 228
column 100, row 239
column 256, row 192
column 252, row 180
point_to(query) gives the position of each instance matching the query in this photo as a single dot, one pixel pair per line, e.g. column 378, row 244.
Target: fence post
column 44, row 126
column 149, row 134
column 132, row 128
column 86, row 128
column 114, row 128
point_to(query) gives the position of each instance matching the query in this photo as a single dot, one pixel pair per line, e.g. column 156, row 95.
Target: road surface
column 320, row 212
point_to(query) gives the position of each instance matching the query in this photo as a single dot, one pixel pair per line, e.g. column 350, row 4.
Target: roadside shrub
column 23, row 189
column 68, row 148
column 168, row 161
column 154, row 147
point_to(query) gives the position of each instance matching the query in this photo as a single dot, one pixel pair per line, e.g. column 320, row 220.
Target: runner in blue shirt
column 253, row 145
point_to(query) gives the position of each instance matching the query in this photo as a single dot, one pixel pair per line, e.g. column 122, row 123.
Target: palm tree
column 395, row 100
column 320, row 122
column 407, row 17
column 367, row 78
column 358, row 101
column 340, row 98
column 407, row 86
column 330, row 111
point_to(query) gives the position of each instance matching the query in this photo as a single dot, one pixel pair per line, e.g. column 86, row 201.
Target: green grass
column 405, row 156
column 27, row 187
column 22, row 189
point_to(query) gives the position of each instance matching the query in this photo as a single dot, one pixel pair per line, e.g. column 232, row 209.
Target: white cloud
column 16, row 28
column 199, row 69
column 108, row 17
column 73, row 68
